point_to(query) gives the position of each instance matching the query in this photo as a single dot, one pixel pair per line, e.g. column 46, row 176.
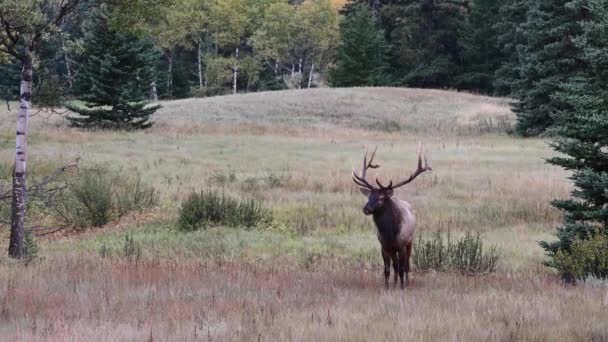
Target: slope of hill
column 377, row 109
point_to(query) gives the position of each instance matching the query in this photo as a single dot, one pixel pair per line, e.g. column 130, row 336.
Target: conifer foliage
column 582, row 126
column 361, row 56
column 115, row 78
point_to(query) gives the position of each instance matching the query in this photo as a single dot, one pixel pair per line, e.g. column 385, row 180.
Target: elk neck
column 388, row 219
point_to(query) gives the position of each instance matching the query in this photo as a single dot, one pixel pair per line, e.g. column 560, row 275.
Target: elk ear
column 389, row 192
column 365, row 191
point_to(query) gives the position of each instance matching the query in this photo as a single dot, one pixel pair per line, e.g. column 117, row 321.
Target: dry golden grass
column 76, row 298
column 316, row 274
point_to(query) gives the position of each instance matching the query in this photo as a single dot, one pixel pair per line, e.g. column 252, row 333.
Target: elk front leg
column 387, row 266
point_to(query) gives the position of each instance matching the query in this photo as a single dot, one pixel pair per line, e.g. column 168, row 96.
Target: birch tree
column 25, row 25
column 233, row 22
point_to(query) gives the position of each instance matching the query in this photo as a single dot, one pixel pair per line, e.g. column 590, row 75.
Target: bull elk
column 394, row 219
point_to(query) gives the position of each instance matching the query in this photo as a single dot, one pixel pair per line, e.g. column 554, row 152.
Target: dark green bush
column 587, row 258
column 96, row 195
column 465, row 254
column 202, row 209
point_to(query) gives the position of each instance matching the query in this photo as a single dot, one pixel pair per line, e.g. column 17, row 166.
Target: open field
column 316, row 273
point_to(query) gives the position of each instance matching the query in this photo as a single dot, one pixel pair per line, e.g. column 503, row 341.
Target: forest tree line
column 525, row 50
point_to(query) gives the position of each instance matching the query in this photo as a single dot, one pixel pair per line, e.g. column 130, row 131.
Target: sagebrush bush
column 97, row 194
column 465, row 254
column 587, row 258
column 131, row 193
column 205, row 208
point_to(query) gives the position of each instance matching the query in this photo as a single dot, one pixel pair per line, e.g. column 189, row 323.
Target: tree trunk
column 66, row 60
column 300, row 66
column 170, row 75
column 16, row 247
column 200, row 66
column 236, row 71
column 312, row 70
column 153, row 92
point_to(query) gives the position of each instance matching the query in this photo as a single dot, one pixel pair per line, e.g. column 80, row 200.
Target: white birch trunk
column 235, row 74
column 153, row 92
column 170, row 75
column 66, row 60
column 312, row 70
column 200, row 66
column 16, row 246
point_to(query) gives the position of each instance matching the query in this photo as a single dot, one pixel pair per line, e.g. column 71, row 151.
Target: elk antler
column 420, row 169
column 360, row 180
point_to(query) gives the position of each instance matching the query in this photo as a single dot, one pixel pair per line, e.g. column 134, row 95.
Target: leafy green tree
column 361, row 55
column 548, row 58
column 291, row 37
column 581, row 125
column 114, row 80
column 426, row 40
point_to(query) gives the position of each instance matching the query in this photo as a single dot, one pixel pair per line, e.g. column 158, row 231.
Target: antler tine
column 360, row 180
column 419, row 169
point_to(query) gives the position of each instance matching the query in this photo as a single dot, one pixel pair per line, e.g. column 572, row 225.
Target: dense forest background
column 526, row 50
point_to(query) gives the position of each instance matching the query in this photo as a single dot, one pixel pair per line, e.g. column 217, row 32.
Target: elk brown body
column 395, row 222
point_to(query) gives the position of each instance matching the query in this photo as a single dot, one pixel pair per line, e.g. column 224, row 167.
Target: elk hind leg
column 387, row 266
column 395, row 258
column 408, row 253
column 402, row 266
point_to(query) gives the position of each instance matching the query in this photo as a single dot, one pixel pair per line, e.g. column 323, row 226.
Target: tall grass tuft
column 466, row 254
column 202, row 209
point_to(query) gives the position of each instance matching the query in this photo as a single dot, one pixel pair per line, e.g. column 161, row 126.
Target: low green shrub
column 202, row 209
column 97, row 194
column 586, row 259
column 131, row 193
column 31, row 248
column 465, row 254
column 87, row 199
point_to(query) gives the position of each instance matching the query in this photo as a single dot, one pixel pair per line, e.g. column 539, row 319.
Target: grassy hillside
column 316, row 274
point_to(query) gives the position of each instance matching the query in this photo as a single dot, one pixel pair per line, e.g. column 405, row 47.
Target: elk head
column 378, row 195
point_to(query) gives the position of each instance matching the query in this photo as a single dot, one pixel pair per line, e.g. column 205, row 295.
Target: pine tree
column 426, row 40
column 482, row 55
column 582, row 126
column 511, row 15
column 361, row 53
column 114, row 80
column 548, row 58
column 10, row 74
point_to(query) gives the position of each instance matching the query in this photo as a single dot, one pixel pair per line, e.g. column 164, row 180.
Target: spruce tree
column 426, row 41
column 10, row 75
column 582, row 126
column 114, row 80
column 548, row 58
column 511, row 14
column 361, row 53
column 482, row 55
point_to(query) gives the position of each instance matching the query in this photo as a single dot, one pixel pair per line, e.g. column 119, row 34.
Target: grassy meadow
column 315, row 273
